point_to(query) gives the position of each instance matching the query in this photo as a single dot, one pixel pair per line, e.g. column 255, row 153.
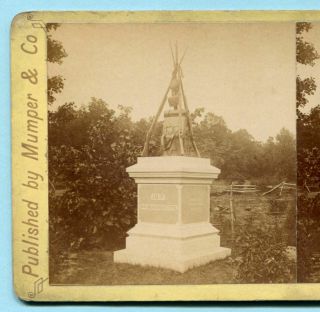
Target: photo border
column 26, row 84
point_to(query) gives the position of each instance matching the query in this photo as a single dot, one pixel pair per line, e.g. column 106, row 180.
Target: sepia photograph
column 172, row 153
column 161, row 156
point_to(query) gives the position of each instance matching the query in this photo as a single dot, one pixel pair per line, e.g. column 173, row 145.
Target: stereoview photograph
column 179, row 154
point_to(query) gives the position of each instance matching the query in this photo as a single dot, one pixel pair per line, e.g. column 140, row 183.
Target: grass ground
column 97, row 267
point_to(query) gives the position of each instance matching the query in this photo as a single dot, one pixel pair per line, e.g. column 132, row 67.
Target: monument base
column 178, row 246
column 173, row 229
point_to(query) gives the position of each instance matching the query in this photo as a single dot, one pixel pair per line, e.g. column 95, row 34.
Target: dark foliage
column 239, row 156
column 306, row 54
column 304, row 87
column 308, row 229
column 88, row 154
column 262, row 255
column 308, row 151
column 55, row 54
column 55, row 85
column 55, row 50
column 93, row 200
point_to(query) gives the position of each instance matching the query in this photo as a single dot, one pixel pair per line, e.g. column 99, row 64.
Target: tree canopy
column 308, row 156
column 92, row 197
column 308, row 124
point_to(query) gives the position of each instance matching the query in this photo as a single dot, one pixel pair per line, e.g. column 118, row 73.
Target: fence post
column 231, row 212
column 283, row 183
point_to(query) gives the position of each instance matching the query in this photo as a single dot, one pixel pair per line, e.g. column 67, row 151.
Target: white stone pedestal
column 173, row 229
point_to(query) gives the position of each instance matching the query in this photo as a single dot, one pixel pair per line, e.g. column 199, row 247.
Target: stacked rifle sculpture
column 177, row 128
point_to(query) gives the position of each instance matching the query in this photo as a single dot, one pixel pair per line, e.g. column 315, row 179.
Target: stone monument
column 173, row 229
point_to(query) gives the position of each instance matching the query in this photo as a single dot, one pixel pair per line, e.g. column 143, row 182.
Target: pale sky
column 313, row 36
column 242, row 72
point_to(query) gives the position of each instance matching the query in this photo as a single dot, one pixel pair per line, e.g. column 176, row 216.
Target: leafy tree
column 55, row 54
column 306, row 53
column 55, row 85
column 308, row 156
column 239, row 156
column 304, row 87
column 212, row 136
column 98, row 201
column 242, row 160
column 307, row 124
column 55, row 50
column 286, row 155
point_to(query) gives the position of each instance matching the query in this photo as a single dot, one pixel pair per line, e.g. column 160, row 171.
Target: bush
column 96, row 203
column 261, row 255
column 308, row 229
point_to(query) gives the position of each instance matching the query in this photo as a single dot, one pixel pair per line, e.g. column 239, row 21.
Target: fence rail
column 282, row 186
column 242, row 188
column 249, row 188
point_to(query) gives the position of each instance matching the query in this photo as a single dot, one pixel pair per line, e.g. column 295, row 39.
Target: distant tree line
column 241, row 157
